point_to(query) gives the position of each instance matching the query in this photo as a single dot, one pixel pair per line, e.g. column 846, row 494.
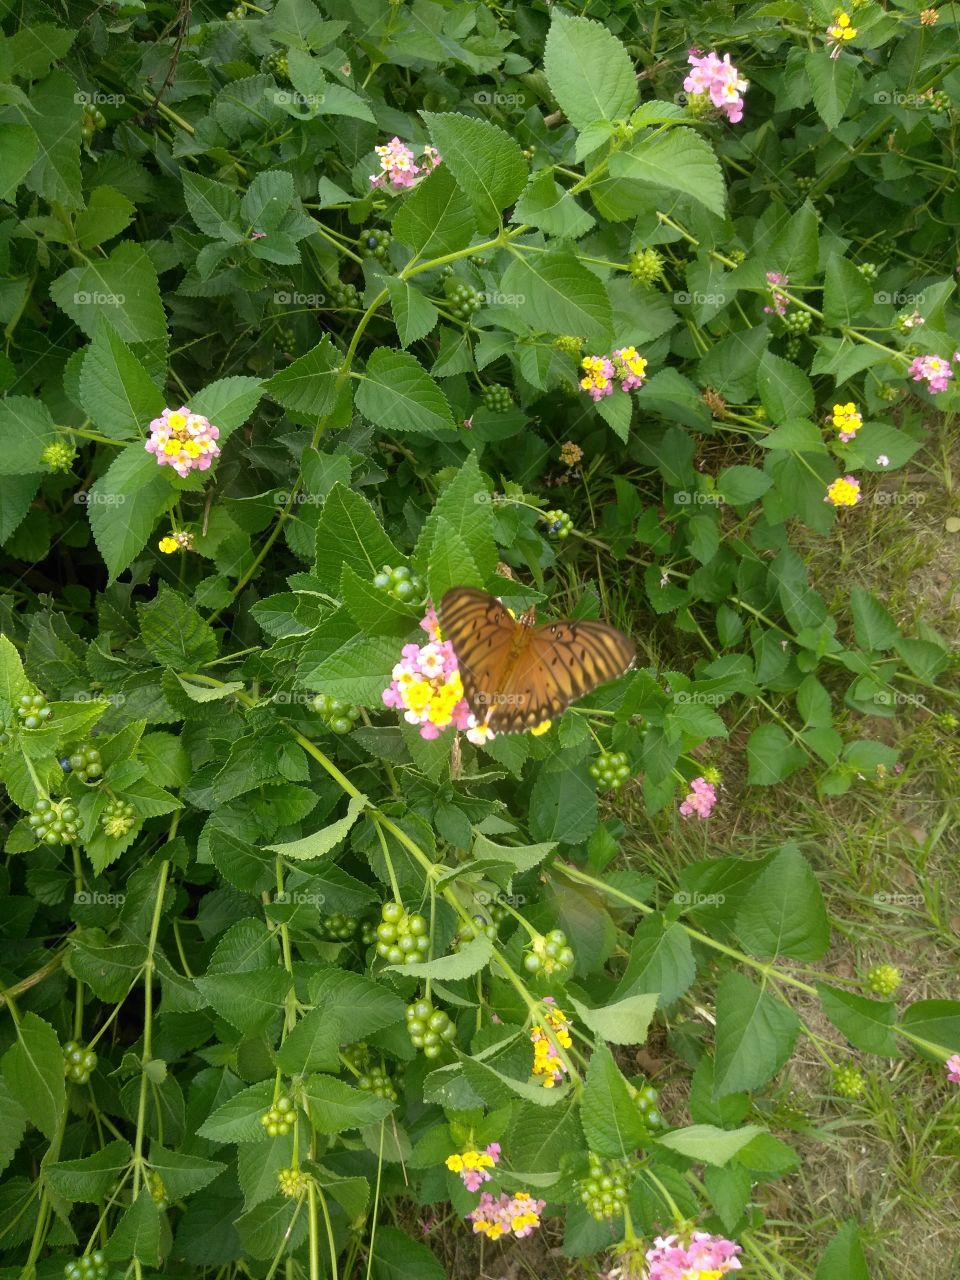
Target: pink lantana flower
column 720, row 80
column 953, row 1068
column 702, row 798
column 183, row 440
column 935, row 370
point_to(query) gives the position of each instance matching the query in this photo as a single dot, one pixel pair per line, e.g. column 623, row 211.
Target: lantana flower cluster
column 704, row 1257
column 474, row 1166
column 719, row 79
column 398, row 166
column 183, row 440
column 701, row 799
column 844, row 492
column 847, row 420
column 546, row 1061
column 427, row 688
column 780, row 300
column 953, row 1068
column 601, row 373
column 934, row 370
column 840, row 31
column 517, row 1215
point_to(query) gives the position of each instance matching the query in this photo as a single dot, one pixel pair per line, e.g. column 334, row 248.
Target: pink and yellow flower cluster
column 427, row 688
column 398, row 166
column 703, row 1257
column 183, row 440
column 843, row 492
column 847, row 420
column 474, row 1166
column 518, row 1215
column 546, row 1061
column 601, row 373
column 719, row 79
column 934, row 370
column 702, row 798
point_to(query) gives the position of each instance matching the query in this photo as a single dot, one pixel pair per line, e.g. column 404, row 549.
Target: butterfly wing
column 515, row 677
column 483, row 634
column 562, row 662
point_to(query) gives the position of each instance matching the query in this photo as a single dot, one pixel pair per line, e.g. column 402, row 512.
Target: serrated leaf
column 755, row 1035
column 623, row 1022
column 125, row 504
column 611, row 1120
column 324, row 840
column 559, row 295
column 707, row 1144
column 463, row 963
column 398, row 394
column 33, row 1071
column 783, row 912
column 122, row 288
column 249, row 1001
column 435, row 219
column 679, row 160
column 116, row 392
column 485, row 161
column 335, row 1106
column 589, row 71
column 90, row 1179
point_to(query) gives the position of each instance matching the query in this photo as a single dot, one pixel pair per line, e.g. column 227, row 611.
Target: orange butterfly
column 516, row 675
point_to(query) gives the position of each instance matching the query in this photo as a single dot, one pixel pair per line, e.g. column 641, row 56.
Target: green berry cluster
column 848, row 1082
column 93, row 119
column 938, row 102
column 401, row 583
column 559, row 524
column 464, row 299
column 78, row 1062
column 343, row 296
column 400, row 935
column 33, row 709
column 277, row 63
column 278, row 1120
column 292, row 1182
column 646, row 1099
column 610, row 770
column 474, row 928
column 798, row 323
column 237, row 14
column 889, row 392
column 92, row 1266
column 158, row 1191
column 804, row 184
column 646, row 266
column 284, row 338
column 429, row 1028
column 340, row 716
column 569, row 344
column 58, row 456
column 337, row 927
column 549, row 954
column 604, row 1189
column 117, row 818
column 84, row 763
column 54, row 822
column 869, row 270
column 375, row 245
column 497, row 399
column 529, row 152
column 376, row 1080
column 368, row 933
column 883, row 979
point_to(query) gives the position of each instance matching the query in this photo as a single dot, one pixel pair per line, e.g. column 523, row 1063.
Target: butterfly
column 517, row 675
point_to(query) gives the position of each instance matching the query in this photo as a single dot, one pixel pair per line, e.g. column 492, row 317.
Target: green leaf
column 772, row 756
column 679, row 161
column 563, row 806
column 55, row 118
column 238, row 1119
column 843, row 1257
column 464, row 505
column 312, row 1045
column 661, row 960
column 228, row 403
column 349, row 533
column 397, row 1257
column 122, row 289
column 846, row 293
column 309, row 385
column 833, row 81
column 742, row 485
column 873, row 626
column 451, row 564
column 589, row 71
column 464, row 963
column 707, row 1144
column 335, row 1106
column 785, row 391
column 936, row 1022
column 182, row 1174
column 545, row 204
column 375, row 610
column 783, row 913
column 20, row 145
column 33, row 1072
column 363, row 1006
column 867, row 1024
column 485, row 161
column 524, row 857
column 175, row 633
column 249, row 1001
column 559, row 295
column 413, row 314
column 106, row 215
column 435, row 219
column 397, row 393
column 325, row 840
column 91, row 1179
column 622, row 1022
column 26, row 428
column 215, row 208
column 117, row 393
column 16, row 498
column 137, row 1234
column 755, row 1035
column 611, row 1121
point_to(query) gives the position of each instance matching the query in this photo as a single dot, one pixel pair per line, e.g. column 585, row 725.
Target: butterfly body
column 517, row 675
